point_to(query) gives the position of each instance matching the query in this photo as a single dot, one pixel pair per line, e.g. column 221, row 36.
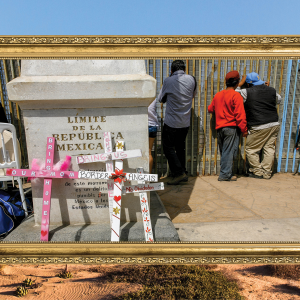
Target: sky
column 155, row 17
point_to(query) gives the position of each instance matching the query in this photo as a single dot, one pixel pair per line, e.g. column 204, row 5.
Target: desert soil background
column 89, row 282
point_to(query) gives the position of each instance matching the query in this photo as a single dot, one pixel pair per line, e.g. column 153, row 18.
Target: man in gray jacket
column 177, row 91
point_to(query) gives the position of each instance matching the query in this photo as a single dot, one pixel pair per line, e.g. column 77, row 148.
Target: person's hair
column 177, row 65
column 245, row 85
column 250, row 85
column 232, row 82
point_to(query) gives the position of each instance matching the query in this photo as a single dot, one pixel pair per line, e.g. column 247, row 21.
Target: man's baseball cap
column 232, row 74
column 254, row 79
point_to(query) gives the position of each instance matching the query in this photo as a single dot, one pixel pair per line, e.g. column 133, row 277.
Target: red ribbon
column 118, row 176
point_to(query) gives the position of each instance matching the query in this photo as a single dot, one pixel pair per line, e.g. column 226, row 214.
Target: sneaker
column 186, row 179
column 233, row 178
column 178, row 179
column 252, row 175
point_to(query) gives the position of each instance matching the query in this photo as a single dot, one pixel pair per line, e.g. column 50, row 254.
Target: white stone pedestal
column 75, row 101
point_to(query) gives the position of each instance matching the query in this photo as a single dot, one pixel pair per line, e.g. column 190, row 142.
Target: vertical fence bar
column 280, row 88
column 216, row 138
column 275, row 73
column 198, row 119
column 186, row 144
column 19, row 67
column 204, row 117
column 292, row 116
column 295, row 150
column 2, row 97
column 155, row 144
column 286, row 100
column 297, row 134
column 210, row 115
column 161, row 120
column 251, row 65
column 281, row 76
column 269, row 70
column 257, row 66
column 240, row 141
column 12, row 68
column 263, row 69
column 225, row 72
column 241, row 136
column 9, row 102
column 274, row 85
column 193, row 109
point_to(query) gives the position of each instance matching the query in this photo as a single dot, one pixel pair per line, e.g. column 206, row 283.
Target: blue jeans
column 228, row 140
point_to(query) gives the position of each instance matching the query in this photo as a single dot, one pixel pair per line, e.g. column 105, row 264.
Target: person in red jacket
column 228, row 106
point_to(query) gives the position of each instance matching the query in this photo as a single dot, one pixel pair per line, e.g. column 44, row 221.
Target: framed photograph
column 79, row 106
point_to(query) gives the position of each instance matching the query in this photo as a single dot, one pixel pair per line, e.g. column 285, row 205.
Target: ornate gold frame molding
column 150, row 253
column 140, row 47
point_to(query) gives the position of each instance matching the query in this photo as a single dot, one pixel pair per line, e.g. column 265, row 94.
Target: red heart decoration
column 117, row 198
column 43, row 232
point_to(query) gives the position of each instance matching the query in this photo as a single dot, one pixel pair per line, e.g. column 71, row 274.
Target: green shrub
column 162, row 282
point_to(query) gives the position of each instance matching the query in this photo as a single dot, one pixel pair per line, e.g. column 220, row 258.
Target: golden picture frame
column 150, row 47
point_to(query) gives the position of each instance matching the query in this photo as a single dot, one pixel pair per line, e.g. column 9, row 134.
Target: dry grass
column 2, row 267
column 285, row 271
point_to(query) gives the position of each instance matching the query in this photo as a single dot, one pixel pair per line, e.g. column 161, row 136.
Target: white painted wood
column 109, row 168
column 116, row 215
column 105, row 176
column 145, row 208
column 139, row 188
column 107, row 156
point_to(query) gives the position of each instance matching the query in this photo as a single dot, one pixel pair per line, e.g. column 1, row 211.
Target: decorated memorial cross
column 118, row 177
column 142, row 189
column 48, row 173
column 108, row 157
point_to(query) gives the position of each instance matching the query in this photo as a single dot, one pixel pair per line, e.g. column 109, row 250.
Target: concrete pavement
column 249, row 209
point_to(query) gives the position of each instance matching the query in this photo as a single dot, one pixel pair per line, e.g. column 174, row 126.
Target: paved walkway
column 249, row 209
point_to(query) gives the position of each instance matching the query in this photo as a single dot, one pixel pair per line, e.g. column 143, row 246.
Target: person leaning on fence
column 152, row 127
column 262, row 118
column 178, row 92
column 230, row 121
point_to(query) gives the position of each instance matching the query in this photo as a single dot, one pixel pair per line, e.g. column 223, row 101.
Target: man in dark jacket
column 262, row 119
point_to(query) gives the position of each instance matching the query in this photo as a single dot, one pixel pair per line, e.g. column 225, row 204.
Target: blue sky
column 156, row 17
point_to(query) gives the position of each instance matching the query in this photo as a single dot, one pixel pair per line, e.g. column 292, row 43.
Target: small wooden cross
column 47, row 174
column 142, row 188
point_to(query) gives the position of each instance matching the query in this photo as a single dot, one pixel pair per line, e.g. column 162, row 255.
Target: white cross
column 114, row 184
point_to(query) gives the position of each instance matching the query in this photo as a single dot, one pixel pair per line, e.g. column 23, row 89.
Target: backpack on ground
column 11, row 212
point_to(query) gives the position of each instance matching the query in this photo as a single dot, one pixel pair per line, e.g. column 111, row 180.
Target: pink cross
column 48, row 174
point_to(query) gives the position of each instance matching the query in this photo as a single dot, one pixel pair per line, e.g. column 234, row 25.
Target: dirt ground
column 89, row 283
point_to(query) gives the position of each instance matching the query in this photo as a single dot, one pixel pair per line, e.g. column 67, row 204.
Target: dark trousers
column 228, row 140
column 174, row 148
